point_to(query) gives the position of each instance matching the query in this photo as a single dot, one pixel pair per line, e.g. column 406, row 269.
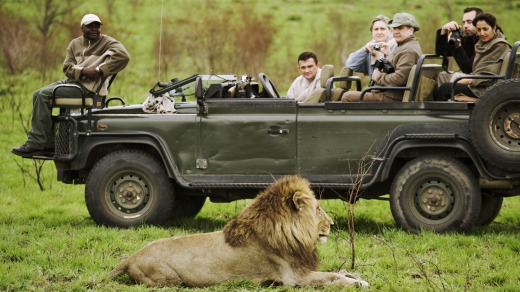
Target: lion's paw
column 361, row 283
column 358, row 282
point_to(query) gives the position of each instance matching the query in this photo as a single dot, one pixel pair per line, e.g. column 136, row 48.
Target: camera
column 376, row 47
column 455, row 35
column 383, row 65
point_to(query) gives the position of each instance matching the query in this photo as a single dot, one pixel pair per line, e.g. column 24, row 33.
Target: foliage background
column 48, row 242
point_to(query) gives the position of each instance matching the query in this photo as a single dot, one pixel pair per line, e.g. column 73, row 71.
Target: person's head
column 379, row 28
column 467, row 20
column 308, row 65
column 91, row 27
column 403, row 26
column 486, row 25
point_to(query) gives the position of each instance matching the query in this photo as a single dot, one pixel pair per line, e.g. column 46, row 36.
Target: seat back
column 76, row 98
column 73, row 97
column 342, row 86
column 318, row 95
column 505, row 62
column 422, row 83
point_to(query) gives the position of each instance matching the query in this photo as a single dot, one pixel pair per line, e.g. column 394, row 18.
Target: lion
column 272, row 241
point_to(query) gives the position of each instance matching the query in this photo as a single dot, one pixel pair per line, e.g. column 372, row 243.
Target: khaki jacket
column 106, row 52
column 489, row 57
column 402, row 59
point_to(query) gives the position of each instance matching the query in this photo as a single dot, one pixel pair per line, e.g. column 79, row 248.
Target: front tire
column 436, row 193
column 128, row 188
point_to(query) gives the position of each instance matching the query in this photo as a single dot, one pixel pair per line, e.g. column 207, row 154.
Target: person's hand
column 457, row 43
column 91, row 72
column 384, row 48
column 376, row 74
column 368, row 46
column 465, row 81
column 448, row 27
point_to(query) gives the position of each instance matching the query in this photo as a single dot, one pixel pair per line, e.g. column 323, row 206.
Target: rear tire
column 187, row 207
column 436, row 193
column 128, row 188
column 490, row 208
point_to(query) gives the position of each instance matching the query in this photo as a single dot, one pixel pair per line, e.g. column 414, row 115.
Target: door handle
column 276, row 130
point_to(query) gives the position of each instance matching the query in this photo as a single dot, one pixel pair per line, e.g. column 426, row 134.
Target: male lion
column 273, row 240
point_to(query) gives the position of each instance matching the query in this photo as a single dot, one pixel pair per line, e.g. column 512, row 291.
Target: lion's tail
column 122, row 268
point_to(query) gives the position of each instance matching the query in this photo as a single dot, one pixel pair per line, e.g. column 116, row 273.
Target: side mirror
column 199, row 90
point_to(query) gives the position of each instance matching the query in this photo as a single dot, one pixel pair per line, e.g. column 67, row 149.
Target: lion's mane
column 282, row 218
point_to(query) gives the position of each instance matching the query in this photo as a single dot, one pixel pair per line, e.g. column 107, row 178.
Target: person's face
column 308, row 68
column 402, row 32
column 485, row 31
column 467, row 23
column 91, row 31
column 380, row 31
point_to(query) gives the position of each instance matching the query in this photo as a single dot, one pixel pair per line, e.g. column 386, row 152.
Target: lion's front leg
column 330, row 278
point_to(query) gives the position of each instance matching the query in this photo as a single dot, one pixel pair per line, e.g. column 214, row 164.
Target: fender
column 452, row 141
column 142, row 138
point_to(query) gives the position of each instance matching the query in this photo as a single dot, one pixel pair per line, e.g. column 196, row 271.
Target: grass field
column 48, row 242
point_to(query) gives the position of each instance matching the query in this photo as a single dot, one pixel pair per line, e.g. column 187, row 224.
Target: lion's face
column 324, row 224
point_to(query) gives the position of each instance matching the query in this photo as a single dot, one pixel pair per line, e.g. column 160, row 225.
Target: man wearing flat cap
column 402, row 60
column 89, row 58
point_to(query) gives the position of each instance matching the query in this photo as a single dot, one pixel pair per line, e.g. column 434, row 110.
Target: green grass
column 48, row 242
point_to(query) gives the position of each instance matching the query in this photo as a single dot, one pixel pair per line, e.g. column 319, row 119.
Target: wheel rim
column 128, row 195
column 434, row 201
column 505, row 126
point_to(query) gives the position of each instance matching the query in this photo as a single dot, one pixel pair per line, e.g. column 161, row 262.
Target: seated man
column 88, row 58
column 363, row 60
column 402, row 60
column 463, row 49
column 305, row 84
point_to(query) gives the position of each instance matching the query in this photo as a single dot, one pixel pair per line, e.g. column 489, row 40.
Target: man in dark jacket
column 463, row 48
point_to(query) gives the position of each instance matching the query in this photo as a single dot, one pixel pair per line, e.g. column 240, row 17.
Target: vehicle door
column 248, row 136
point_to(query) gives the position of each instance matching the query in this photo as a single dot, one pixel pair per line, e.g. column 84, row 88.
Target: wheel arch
column 408, row 149
column 97, row 146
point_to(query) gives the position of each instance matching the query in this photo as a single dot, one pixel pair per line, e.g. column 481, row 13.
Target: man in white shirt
column 305, row 84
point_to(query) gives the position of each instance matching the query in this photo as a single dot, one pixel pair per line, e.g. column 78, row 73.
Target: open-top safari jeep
column 445, row 165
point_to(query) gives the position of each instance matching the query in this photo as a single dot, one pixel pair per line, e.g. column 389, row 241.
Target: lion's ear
column 298, row 199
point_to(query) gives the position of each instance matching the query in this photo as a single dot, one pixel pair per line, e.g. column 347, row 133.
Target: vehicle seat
column 426, row 83
column 79, row 100
column 342, row 86
column 318, row 95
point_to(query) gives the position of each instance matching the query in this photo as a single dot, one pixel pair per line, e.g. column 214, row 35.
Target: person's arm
column 402, row 67
column 464, row 62
column 69, row 69
column 441, row 44
column 492, row 65
column 357, row 61
column 117, row 60
column 291, row 92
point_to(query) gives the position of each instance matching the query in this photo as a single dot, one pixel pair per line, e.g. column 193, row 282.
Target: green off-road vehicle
column 444, row 165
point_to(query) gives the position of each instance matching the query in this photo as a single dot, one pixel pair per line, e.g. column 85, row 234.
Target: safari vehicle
column 445, row 165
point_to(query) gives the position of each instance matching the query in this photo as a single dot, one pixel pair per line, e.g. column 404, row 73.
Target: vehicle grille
column 65, row 139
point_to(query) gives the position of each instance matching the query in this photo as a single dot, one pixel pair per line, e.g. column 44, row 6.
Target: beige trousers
column 353, row 96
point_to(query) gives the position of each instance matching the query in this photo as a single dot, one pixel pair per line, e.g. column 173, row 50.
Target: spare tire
column 495, row 125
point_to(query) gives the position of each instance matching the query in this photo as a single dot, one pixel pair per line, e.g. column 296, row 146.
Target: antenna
column 160, row 43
